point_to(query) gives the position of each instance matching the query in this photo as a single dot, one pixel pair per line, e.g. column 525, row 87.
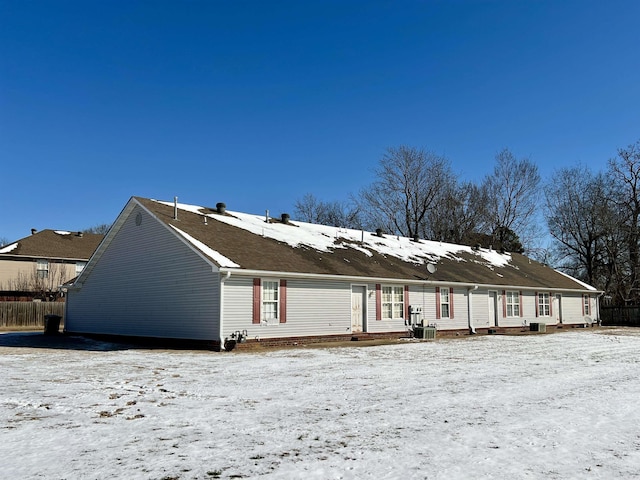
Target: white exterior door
column 557, row 307
column 493, row 308
column 358, row 310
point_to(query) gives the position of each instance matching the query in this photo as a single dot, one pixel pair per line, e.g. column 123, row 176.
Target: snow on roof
column 62, row 232
column 585, row 285
column 216, row 256
column 9, row 248
column 328, row 239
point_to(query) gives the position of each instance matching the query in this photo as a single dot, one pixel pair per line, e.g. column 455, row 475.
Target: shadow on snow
column 58, row 342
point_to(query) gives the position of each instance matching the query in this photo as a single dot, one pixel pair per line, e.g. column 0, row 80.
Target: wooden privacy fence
column 28, row 314
column 621, row 316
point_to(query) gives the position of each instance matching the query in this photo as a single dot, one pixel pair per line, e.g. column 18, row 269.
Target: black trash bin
column 52, row 324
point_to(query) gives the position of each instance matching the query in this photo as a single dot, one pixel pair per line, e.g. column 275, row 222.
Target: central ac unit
column 538, row 327
column 425, row 333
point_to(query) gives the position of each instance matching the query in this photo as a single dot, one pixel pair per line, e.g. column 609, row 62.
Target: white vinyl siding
column 459, row 305
column 572, row 309
column 426, row 297
column 158, row 287
column 480, row 309
column 314, row 308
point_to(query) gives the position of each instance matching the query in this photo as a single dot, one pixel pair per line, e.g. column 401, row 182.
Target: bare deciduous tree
column 513, row 191
column 101, row 228
column 624, row 172
column 576, row 213
column 46, row 283
column 595, row 221
column 409, row 183
column 459, row 214
column 308, row 209
column 21, row 283
column 337, row 214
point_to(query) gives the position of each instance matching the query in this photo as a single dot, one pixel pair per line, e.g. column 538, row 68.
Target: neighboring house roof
column 54, row 244
column 239, row 241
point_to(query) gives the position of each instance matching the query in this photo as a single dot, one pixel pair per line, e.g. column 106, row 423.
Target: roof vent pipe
column 221, row 207
column 80, row 234
column 285, row 218
column 266, row 216
column 175, row 208
column 33, row 231
column 379, row 232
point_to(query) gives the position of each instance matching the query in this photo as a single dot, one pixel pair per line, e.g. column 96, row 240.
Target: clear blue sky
column 256, row 103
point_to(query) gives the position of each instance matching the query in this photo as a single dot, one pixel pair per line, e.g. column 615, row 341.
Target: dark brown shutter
column 283, row 301
column 378, row 301
column 437, row 303
column 520, row 303
column 406, row 302
column 257, row 300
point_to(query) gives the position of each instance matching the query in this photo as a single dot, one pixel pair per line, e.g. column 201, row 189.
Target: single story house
column 36, row 266
column 177, row 271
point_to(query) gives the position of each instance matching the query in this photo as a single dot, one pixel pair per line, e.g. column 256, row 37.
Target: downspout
column 221, row 316
column 472, row 329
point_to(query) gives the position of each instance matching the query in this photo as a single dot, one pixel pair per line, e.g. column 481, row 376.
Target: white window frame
column 586, row 301
column 512, row 301
column 392, row 302
column 445, row 303
column 544, row 305
column 42, row 268
column 270, row 300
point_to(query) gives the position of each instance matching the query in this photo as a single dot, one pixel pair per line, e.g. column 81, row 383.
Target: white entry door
column 557, row 307
column 358, row 310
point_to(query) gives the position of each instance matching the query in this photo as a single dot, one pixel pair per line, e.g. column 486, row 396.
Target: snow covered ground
column 561, row 406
